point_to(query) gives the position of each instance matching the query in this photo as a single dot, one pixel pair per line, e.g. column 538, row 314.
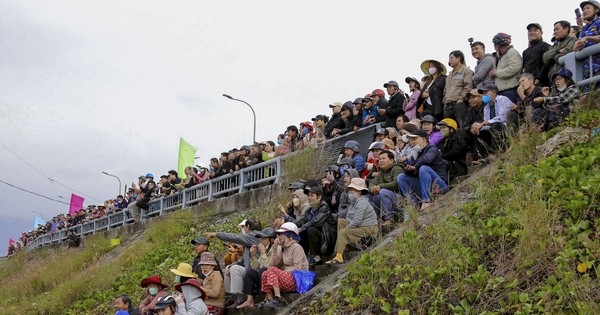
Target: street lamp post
column 111, row 175
column 253, row 113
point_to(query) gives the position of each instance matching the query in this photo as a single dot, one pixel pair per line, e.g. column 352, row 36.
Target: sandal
column 334, row 262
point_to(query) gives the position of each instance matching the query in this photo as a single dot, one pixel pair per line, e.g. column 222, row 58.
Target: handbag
column 305, row 280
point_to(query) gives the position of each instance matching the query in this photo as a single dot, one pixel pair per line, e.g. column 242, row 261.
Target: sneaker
column 276, row 302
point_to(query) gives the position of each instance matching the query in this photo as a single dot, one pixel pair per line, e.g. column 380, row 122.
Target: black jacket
column 473, row 115
column 394, row 109
column 436, row 93
column 454, row 150
column 533, row 61
column 430, row 156
column 336, row 121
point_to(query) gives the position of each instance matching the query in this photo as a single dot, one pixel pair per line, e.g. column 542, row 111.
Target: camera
column 470, row 39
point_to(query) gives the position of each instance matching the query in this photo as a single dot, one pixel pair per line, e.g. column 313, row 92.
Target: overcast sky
column 92, row 86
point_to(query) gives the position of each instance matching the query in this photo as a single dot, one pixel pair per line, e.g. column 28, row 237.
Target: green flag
column 186, row 157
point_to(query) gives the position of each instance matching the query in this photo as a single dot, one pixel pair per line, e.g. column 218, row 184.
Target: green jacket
column 556, row 51
column 387, row 179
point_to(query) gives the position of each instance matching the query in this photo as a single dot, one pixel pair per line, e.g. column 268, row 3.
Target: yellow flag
column 186, row 157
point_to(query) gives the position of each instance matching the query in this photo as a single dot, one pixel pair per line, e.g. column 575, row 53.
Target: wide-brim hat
column 153, row 280
column 184, row 270
column 207, row 258
column 358, row 184
column 194, row 283
column 425, row 66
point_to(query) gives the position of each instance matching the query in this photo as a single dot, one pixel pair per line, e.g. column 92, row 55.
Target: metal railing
column 574, row 61
column 239, row 181
column 243, row 180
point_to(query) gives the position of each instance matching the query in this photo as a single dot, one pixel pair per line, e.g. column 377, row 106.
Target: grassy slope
column 86, row 280
column 528, row 242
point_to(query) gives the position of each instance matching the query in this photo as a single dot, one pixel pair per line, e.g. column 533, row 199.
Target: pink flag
column 76, row 203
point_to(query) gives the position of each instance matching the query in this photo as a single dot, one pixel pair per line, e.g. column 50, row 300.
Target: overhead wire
column 52, row 180
column 33, row 193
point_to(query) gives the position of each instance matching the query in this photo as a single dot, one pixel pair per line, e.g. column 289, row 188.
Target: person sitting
column 408, row 150
column 124, row 305
column 528, row 91
column 491, row 128
column 212, row 284
column 384, row 187
column 192, row 300
column 349, row 120
column 332, row 187
column 155, row 289
column 201, row 245
column 166, row 305
column 234, row 274
column 372, row 166
column 183, row 273
column 360, row 222
column 588, row 36
column 73, row 240
column 454, row 147
column 297, row 207
column 345, row 202
column 317, row 226
column 428, row 124
column 352, row 150
column 370, row 114
column 557, row 105
column 261, row 260
column 421, row 175
column 120, row 203
column 290, row 255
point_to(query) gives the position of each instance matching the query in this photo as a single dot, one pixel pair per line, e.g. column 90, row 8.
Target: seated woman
column 261, row 260
column 558, row 104
column 360, row 222
column 291, row 255
column 212, row 284
column 191, row 301
column 454, row 147
column 589, row 35
column 183, row 273
column 317, row 226
column 155, row 290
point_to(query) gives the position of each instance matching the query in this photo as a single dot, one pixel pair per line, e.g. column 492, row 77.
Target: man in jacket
column 336, row 121
column 485, row 64
column 458, row 83
column 394, row 106
column 562, row 45
column 508, row 68
column 384, row 187
column 422, row 174
column 317, row 226
column 533, row 61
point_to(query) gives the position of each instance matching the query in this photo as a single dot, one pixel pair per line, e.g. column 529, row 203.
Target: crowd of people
column 449, row 119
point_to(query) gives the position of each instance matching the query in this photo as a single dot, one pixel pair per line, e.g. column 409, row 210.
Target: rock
column 566, row 137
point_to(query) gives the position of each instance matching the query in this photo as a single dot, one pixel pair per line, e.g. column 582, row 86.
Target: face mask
column 405, row 138
column 296, row 202
column 445, row 133
column 417, row 147
column 432, row 70
column 278, row 141
column 351, row 197
column 153, row 291
column 177, row 279
column 305, row 130
column 486, row 99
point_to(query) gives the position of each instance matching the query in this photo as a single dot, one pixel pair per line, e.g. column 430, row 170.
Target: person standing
column 394, row 106
column 509, row 66
column 533, row 61
column 458, row 83
column 485, row 64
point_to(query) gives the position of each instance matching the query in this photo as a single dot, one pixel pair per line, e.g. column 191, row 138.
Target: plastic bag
column 305, row 280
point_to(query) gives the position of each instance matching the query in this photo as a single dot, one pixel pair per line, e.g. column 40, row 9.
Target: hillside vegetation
column 527, row 243
column 86, row 280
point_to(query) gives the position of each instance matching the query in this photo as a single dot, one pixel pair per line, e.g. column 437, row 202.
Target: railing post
column 241, row 180
column 210, row 190
column 184, row 198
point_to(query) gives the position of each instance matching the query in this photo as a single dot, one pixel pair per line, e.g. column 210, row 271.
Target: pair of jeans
column 419, row 187
column 386, row 204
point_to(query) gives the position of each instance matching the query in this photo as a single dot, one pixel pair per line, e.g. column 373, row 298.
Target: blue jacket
column 431, row 156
